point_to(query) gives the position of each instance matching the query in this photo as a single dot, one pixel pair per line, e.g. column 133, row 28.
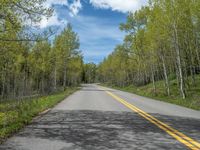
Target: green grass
column 193, row 93
column 16, row 114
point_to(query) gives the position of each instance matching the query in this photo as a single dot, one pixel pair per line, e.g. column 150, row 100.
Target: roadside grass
column 193, row 93
column 16, row 114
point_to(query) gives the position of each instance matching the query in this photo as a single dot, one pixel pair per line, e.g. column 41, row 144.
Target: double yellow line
column 187, row 141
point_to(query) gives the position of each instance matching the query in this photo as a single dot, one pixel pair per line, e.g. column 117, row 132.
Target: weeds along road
column 98, row 118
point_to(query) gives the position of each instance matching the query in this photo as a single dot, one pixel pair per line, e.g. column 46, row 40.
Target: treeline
column 33, row 65
column 162, row 43
column 89, row 73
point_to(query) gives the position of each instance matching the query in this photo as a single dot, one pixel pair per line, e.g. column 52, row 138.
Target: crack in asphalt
column 99, row 130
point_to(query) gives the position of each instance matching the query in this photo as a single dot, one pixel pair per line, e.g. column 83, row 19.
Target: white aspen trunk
column 179, row 65
column 64, row 78
column 153, row 80
column 42, row 86
column 197, row 48
column 192, row 66
column 166, row 76
column 64, row 75
column 55, row 78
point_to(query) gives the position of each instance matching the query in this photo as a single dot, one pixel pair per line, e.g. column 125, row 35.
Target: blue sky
column 95, row 21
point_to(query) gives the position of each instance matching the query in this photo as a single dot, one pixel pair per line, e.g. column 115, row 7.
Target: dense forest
column 89, row 73
column 162, row 42
column 32, row 64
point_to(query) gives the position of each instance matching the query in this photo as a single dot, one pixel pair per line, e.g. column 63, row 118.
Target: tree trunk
column 64, row 78
column 153, row 80
column 14, row 86
column 197, row 48
column 166, row 76
column 42, row 84
column 191, row 58
column 3, row 86
column 192, row 75
column 55, row 78
column 24, row 83
column 179, row 65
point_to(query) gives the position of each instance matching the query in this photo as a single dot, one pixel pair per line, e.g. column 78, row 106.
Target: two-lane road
column 97, row 118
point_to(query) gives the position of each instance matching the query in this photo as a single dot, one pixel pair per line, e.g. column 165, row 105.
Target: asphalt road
column 97, row 118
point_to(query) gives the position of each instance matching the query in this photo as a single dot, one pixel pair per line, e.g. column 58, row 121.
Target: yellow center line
column 187, row 141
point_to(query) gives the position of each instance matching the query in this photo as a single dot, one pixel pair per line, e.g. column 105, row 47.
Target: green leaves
column 162, row 39
column 68, row 58
column 35, row 68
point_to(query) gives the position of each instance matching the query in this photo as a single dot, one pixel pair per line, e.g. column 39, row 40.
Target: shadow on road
column 96, row 130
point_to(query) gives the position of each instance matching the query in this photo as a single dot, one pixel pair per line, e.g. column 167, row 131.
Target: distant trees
column 40, row 68
column 89, row 73
column 162, row 42
column 31, row 67
column 66, row 47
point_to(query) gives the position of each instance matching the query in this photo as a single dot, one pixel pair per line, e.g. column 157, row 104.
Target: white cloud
column 119, row 5
column 93, row 29
column 98, row 37
column 52, row 21
column 75, row 8
column 49, row 3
